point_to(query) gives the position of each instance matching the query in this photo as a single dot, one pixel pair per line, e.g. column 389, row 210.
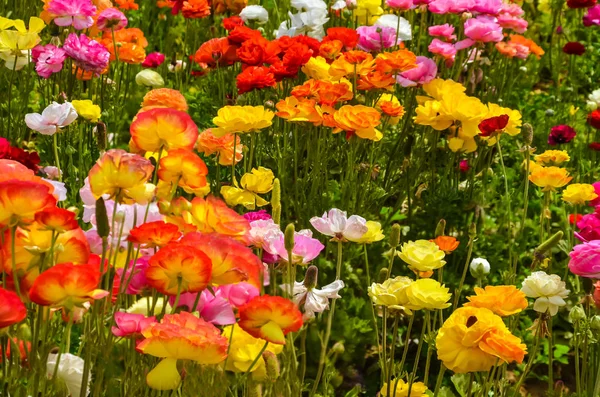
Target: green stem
column 56, row 157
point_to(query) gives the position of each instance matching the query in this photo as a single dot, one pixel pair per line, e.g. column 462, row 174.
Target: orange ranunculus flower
column 376, row 80
column 504, row 300
column 154, row 234
column 180, row 336
column 446, row 243
column 209, row 144
column 67, row 285
column 12, row 310
column 359, row 119
column 195, row 9
column 234, row 6
column 473, row 339
column 21, row 200
column 12, row 170
column 130, row 44
column 163, row 128
column 395, row 62
column 255, row 78
column 212, row 215
column 184, row 168
column 216, row 52
column 550, row 178
column 57, row 219
column 127, row 4
column 348, row 36
column 179, row 268
column 270, row 318
column 299, row 110
column 325, row 92
column 352, row 62
column 533, row 47
column 331, row 49
column 165, row 98
column 123, row 176
column 232, row 262
column 391, row 109
column 258, row 51
column 86, row 75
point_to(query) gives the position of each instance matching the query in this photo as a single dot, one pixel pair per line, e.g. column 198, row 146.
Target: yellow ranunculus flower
column 21, row 38
column 243, row 351
column 455, row 144
column 391, row 293
column 374, row 233
column 317, row 68
column 259, row 181
column 435, row 114
column 549, row 178
column 427, row 293
column 552, row 157
column 401, row 388
column 86, row 109
column 241, row 119
column 422, row 255
column 503, row 300
column 439, row 88
column 579, row 193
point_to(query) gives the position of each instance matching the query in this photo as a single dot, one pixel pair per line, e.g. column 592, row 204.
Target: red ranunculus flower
column 581, row 3
column 255, row 78
column 574, row 48
column 561, row 134
column 593, row 119
column 493, row 124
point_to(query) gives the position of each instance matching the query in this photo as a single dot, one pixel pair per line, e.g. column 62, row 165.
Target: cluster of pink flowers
column 48, row 59
column 78, row 13
column 87, row 54
column 585, row 257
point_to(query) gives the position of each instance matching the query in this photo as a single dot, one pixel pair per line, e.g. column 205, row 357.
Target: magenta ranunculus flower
column 237, row 294
column 87, row 54
column 138, row 282
column 111, row 19
column 376, row 38
column 401, row 5
column 592, row 17
column 596, row 202
column 131, row 325
column 153, row 60
column 561, row 134
column 446, row 31
column 78, row 13
column 483, row 29
column 439, row 47
column 585, row 259
column 48, row 59
column 260, row 215
column 589, row 227
column 425, row 71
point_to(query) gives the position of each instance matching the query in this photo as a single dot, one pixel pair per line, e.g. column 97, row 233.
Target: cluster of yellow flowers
column 449, row 106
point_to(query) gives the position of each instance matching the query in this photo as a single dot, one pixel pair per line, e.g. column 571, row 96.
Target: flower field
column 322, row 198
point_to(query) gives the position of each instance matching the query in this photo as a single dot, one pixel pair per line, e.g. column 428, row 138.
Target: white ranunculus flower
column 255, row 13
column 55, row 116
column 15, row 62
column 337, row 224
column 309, row 5
column 262, row 231
column 339, row 5
column 548, row 290
column 479, row 267
column 70, row 370
column 311, row 299
column 403, row 26
column 593, row 101
column 149, row 78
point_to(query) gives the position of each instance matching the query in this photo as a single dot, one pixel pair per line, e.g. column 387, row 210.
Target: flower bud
column 395, row 235
column 441, row 228
column 149, row 78
column 527, row 133
column 473, row 230
column 576, row 314
column 276, row 201
column 100, row 131
column 272, row 365
column 101, row 218
column 338, row 348
column 595, row 323
column 24, row 332
column 383, row 275
column 311, row 276
column 479, row 268
column 288, row 237
column 255, row 390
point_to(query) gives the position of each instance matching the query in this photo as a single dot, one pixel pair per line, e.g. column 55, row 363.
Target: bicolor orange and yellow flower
column 163, row 129
column 270, row 318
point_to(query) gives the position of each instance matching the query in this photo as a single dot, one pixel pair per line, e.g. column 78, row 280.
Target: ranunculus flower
column 48, row 59
column 585, row 259
column 592, row 17
column 163, row 128
column 241, row 119
column 255, row 13
column 54, row 117
column 483, row 29
column 21, row 200
column 87, row 54
column 400, row 388
column 311, row 299
column 593, row 119
column 338, row 225
column 70, row 371
column 427, row 293
column 574, row 48
column 78, row 13
column 423, row 73
column 131, row 325
column 401, row 26
column 422, row 255
column 391, row 293
column 446, row 31
column 12, row 310
column 579, row 193
column 306, row 248
column 270, row 318
column 581, row 3
column 503, row 300
column 401, row 5
column 149, row 78
column 87, row 109
column 153, row 60
column 561, row 134
column 550, row 178
column 376, row 38
column 445, row 50
column 479, row 267
column 548, row 290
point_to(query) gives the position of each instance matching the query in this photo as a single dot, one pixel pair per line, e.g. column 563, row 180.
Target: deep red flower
column 595, row 146
column 297, row 55
column 255, row 78
column 313, row 44
column 258, row 51
column 574, row 48
column 282, row 71
column 231, row 22
column 346, row 35
column 28, row 159
column 593, row 119
column 493, row 124
column 573, row 220
column 464, row 166
column 581, row 3
column 239, row 34
column 561, row 134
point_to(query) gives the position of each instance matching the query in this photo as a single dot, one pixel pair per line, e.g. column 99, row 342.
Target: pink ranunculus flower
column 237, row 294
column 133, row 280
column 153, row 60
column 262, row 231
column 508, row 21
column 585, row 259
column 306, row 248
column 48, row 59
column 439, row 47
column 336, row 223
column 214, row 309
column 425, row 71
column 87, row 54
column 401, row 5
column 446, row 31
column 111, row 19
column 78, row 13
column 376, row 38
column 131, row 325
column 589, row 227
column 54, row 117
column 483, row 29
column 592, row 17
column 596, row 202
column 491, row 7
column 450, row 6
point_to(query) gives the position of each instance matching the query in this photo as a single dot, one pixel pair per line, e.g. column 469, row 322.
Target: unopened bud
column 549, row 244
column 383, row 275
column 527, row 133
column 395, row 235
column 311, row 276
column 576, row 314
column 338, row 348
column 473, row 230
column 255, row 390
column 269, row 104
column 272, row 365
column 101, row 136
column 288, row 237
column 595, row 323
column 479, row 268
column 441, row 228
column 24, row 332
column 276, row 201
column 101, row 218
